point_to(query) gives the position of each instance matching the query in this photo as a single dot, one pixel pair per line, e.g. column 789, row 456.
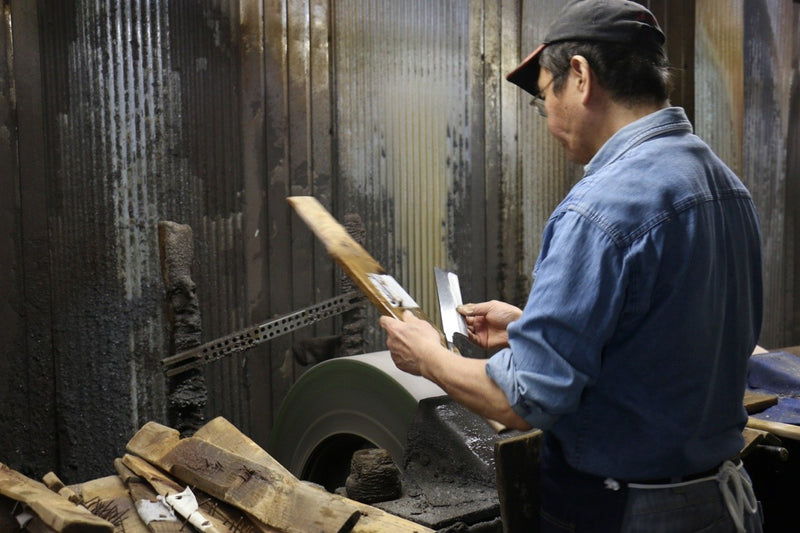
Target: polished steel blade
column 449, row 291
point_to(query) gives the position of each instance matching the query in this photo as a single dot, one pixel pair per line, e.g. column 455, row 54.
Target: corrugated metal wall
column 116, row 115
column 402, row 74
column 747, row 99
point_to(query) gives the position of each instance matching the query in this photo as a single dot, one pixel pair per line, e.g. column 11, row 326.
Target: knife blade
column 449, row 292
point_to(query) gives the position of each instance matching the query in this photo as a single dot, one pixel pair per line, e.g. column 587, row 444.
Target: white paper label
column 394, row 293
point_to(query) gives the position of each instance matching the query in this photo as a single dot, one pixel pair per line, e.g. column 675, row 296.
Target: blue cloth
column 647, row 300
column 777, row 373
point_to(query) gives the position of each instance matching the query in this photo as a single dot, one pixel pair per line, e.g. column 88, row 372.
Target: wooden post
column 187, row 391
column 517, row 462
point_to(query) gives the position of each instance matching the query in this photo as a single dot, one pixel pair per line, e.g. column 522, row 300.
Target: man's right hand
column 487, row 322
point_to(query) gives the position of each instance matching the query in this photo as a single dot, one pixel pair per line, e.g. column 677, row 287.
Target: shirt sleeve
column 573, row 308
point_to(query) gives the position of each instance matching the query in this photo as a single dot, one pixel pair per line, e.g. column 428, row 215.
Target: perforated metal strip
column 255, row 335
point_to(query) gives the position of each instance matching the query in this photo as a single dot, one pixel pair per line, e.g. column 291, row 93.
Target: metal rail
column 255, row 335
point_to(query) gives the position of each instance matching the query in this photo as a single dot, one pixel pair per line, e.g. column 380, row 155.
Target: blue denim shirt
column 646, row 304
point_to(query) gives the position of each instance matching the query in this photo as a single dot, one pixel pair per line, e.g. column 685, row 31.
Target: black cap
column 612, row 21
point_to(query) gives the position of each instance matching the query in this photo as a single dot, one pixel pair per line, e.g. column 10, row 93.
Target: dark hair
column 632, row 74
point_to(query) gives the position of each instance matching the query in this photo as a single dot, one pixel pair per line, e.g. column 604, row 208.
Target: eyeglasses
column 538, row 101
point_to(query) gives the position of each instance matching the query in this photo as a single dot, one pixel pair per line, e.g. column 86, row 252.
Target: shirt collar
column 670, row 119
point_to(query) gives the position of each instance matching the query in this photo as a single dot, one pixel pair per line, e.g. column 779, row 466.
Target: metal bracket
column 255, row 335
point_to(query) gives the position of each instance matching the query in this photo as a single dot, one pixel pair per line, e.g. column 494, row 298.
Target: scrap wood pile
column 216, row 481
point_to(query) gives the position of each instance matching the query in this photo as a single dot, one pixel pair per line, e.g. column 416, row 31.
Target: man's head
column 620, row 39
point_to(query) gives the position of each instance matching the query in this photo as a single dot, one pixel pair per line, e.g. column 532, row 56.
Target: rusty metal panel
column 203, row 44
column 402, row 128
column 256, row 365
column 749, row 125
column 546, row 174
column 771, row 50
column 141, row 120
column 102, row 202
column 792, row 317
column 299, row 160
column 719, row 78
column 28, row 421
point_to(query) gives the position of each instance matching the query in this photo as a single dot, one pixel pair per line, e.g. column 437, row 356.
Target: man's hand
column 487, row 322
column 410, row 341
column 416, row 348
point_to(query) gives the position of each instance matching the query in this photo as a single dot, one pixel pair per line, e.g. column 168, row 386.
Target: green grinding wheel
column 340, row 406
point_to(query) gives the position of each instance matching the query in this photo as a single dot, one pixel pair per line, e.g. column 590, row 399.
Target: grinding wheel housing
column 342, row 405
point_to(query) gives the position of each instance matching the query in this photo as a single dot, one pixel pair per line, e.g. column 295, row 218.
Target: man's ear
column 584, row 76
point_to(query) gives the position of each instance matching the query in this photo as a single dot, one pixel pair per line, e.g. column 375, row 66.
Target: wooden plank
column 271, row 496
column 789, row 431
column 755, row 402
column 356, row 262
column 140, row 491
column 222, row 433
column 164, row 485
column 223, row 517
column 108, row 498
column 245, row 476
column 254, row 209
column 161, row 482
column 517, row 460
column 769, row 148
column 54, row 510
column 152, row 442
column 752, row 438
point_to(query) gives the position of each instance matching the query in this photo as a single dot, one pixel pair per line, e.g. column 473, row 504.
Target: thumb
column 470, row 309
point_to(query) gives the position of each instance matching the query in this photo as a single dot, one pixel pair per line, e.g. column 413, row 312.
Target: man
column 631, row 351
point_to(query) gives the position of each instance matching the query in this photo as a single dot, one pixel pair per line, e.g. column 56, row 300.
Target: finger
column 466, row 309
column 386, row 322
column 408, row 316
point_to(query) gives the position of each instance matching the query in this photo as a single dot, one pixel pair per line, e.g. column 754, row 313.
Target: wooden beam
column 55, row 511
column 227, row 465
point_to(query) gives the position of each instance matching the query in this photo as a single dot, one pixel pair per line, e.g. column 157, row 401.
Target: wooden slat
column 108, row 497
column 517, row 460
column 348, row 254
column 54, row 510
column 789, row 431
column 140, row 490
column 165, row 486
column 223, row 517
column 755, row 402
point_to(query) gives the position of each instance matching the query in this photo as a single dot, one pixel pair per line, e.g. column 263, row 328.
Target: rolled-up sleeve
column 555, row 348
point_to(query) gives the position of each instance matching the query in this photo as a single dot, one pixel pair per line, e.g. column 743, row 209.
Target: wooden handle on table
column 789, row 431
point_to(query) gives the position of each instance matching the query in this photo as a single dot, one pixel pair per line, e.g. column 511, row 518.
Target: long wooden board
column 382, row 289
column 54, row 510
column 227, row 465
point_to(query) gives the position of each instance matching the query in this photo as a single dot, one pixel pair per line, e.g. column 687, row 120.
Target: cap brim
column 526, row 75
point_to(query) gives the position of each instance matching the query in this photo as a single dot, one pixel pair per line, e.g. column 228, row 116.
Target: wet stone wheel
column 341, row 406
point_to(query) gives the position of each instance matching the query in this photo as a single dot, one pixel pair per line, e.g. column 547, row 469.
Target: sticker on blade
column 394, row 293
